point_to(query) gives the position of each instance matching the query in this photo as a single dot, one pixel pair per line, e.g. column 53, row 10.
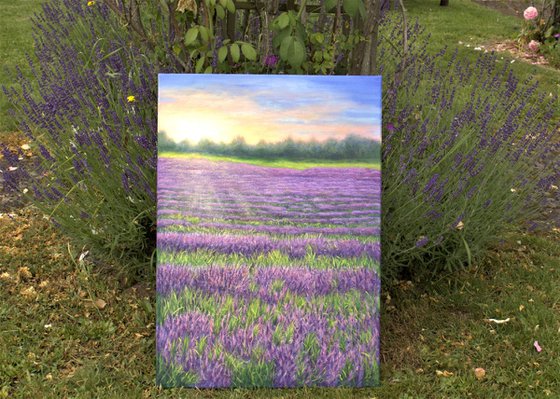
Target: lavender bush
column 90, row 109
column 90, row 113
column 468, row 149
column 460, row 148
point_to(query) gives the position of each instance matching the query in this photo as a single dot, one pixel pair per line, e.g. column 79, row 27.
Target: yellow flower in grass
column 131, row 99
column 90, row 3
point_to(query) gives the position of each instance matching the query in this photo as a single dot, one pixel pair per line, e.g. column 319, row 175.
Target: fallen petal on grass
column 479, row 373
column 497, row 321
column 537, row 346
column 28, row 293
column 24, row 273
column 100, row 303
column 5, row 276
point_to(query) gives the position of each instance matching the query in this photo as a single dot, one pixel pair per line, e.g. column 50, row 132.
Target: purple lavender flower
column 422, row 241
column 270, row 61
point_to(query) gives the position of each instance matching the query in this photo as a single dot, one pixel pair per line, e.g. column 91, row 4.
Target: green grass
column 15, row 41
column 88, row 352
column 196, row 220
column 211, row 230
column 275, row 163
column 274, row 258
column 470, row 23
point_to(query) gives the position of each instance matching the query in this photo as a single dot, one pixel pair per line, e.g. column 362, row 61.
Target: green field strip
column 218, row 306
column 198, row 219
column 275, row 163
column 209, row 230
column 203, row 258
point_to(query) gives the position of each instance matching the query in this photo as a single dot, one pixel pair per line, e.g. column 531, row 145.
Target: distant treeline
column 352, row 147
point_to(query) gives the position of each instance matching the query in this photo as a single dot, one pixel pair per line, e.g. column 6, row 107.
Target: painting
column 268, row 231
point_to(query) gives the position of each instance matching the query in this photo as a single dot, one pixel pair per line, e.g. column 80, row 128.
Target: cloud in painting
column 268, row 107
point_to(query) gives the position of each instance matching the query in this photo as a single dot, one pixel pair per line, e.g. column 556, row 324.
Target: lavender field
column 267, row 277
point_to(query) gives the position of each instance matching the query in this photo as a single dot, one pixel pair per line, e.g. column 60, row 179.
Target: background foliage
column 460, row 141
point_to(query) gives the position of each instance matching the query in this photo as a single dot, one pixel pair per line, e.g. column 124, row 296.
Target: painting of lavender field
column 268, row 262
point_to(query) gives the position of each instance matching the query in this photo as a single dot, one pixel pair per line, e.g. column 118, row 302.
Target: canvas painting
column 268, row 241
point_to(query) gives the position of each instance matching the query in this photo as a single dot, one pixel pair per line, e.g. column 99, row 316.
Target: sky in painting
column 268, row 107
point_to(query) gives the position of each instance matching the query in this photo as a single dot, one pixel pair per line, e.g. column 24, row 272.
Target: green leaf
column 230, row 6
column 234, row 51
column 279, row 37
column 208, row 69
column 222, row 54
column 330, row 4
column 351, row 7
column 191, row 36
column 200, row 64
column 220, row 12
column 283, row 20
column 176, row 49
column 285, row 47
column 296, row 55
column 318, row 56
column 319, row 37
column 204, row 34
column 249, row 52
column 362, row 9
column 293, row 51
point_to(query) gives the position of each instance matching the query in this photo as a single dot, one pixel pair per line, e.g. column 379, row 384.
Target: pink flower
column 530, row 13
column 537, row 346
column 534, row 46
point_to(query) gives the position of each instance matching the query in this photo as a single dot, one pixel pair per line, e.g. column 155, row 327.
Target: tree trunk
column 364, row 55
column 444, row 2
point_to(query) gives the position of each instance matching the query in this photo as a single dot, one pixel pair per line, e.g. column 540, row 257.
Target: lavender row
column 207, row 165
column 242, row 283
column 248, row 191
column 267, row 205
column 301, row 346
column 242, row 210
column 193, row 167
column 280, row 199
column 274, row 229
column 266, row 181
column 296, row 247
column 368, row 221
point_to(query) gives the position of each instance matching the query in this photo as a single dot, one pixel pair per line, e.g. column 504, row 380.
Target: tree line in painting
column 352, row 147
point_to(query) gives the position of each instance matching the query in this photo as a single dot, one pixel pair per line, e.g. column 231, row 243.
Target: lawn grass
column 276, row 163
column 59, row 341
column 15, row 42
column 475, row 25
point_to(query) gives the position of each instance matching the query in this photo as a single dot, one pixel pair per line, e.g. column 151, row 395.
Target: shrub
column 91, row 107
column 277, row 36
column 461, row 141
column 90, row 112
column 467, row 150
column 541, row 31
